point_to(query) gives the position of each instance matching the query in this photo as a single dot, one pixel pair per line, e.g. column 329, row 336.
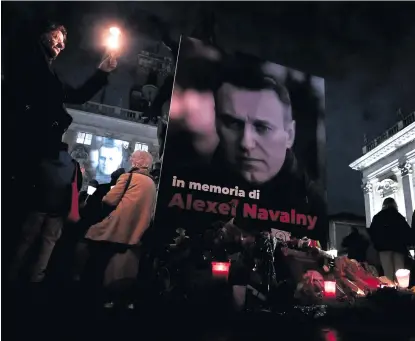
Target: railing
column 390, row 132
column 111, row 111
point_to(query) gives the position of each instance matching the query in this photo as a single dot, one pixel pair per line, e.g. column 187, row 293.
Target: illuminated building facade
column 387, row 168
column 102, row 139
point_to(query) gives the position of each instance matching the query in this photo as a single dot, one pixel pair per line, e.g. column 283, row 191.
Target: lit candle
column 220, row 270
column 113, row 41
column 402, row 276
column 330, row 289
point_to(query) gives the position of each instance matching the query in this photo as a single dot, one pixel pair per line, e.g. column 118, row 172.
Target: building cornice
column 117, row 125
column 387, row 147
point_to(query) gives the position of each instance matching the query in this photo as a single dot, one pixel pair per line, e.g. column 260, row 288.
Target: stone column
column 368, row 192
column 399, row 194
column 408, row 189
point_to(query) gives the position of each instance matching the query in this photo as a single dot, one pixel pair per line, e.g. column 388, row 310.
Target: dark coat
column 389, row 231
column 34, row 97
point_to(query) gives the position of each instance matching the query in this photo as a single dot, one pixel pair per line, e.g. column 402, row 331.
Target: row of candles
column 220, row 270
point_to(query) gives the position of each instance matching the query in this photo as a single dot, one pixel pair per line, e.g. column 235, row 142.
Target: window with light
column 84, row 138
column 141, row 146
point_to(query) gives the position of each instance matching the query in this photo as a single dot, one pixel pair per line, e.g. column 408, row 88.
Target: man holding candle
column 36, row 96
column 34, row 101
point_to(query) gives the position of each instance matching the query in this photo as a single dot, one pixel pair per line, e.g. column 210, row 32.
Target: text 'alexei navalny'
column 187, row 202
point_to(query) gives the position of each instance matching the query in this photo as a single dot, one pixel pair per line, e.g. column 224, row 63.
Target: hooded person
column 115, row 241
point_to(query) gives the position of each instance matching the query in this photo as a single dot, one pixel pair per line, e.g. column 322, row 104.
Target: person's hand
column 108, row 64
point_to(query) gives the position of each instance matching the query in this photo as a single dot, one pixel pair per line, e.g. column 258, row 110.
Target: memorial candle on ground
column 329, row 289
column 220, row 270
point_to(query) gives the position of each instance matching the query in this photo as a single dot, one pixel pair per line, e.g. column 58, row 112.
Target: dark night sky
column 365, row 51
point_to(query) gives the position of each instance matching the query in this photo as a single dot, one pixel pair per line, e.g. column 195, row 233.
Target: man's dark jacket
column 389, row 231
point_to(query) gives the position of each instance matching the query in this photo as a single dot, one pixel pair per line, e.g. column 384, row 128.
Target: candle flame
column 115, row 31
column 112, row 42
column 113, row 39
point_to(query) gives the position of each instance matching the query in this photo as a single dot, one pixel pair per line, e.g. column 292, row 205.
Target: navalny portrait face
column 110, row 158
column 255, row 129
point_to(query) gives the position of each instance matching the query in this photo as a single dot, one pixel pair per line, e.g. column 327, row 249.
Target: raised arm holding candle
column 112, row 43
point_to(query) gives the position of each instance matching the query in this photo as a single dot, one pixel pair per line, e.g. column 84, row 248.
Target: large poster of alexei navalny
column 244, row 145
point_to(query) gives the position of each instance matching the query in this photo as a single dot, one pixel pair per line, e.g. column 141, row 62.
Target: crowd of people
column 94, row 239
